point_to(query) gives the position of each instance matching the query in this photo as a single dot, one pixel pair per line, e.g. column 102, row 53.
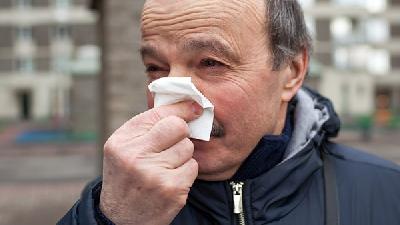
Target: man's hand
column 148, row 166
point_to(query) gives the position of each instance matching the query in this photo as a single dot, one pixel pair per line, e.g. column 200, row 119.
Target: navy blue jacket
column 291, row 193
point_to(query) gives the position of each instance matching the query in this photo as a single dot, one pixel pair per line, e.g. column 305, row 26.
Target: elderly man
column 269, row 160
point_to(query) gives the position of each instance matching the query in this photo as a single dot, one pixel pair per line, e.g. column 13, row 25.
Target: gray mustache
column 217, row 130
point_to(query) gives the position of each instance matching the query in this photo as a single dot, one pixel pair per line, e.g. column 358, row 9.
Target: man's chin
column 209, row 175
column 213, row 166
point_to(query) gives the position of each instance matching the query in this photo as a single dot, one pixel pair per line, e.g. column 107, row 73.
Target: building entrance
column 25, row 104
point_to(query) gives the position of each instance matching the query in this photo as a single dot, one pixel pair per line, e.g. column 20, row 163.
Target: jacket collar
column 262, row 196
column 275, row 193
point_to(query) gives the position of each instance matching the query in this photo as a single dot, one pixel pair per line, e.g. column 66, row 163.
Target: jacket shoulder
column 367, row 185
column 358, row 158
column 364, row 173
column 83, row 211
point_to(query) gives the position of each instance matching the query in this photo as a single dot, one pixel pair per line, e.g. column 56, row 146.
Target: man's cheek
column 227, row 106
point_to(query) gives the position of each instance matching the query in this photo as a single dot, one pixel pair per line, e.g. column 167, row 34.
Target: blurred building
column 357, row 55
column 356, row 59
column 43, row 42
column 122, row 80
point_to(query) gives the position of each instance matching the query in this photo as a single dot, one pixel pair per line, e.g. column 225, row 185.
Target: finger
column 178, row 154
column 166, row 133
column 187, row 173
column 138, row 125
column 187, row 110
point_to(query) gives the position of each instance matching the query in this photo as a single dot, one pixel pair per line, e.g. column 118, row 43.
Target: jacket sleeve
column 84, row 210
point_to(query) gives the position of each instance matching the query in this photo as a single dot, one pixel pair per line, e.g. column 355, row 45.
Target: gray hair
column 288, row 34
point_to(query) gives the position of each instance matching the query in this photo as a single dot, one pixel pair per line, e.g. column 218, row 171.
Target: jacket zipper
column 237, row 191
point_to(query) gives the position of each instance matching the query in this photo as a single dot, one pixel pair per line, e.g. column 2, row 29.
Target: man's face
column 223, row 46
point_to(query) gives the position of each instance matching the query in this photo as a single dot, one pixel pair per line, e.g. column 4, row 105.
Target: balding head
column 284, row 24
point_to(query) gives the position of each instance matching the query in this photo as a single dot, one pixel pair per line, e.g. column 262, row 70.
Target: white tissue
column 170, row 90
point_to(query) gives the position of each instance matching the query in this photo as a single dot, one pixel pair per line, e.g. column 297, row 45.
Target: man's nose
column 186, row 72
column 180, row 72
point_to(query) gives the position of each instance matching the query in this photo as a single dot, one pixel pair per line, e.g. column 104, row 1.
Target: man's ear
column 295, row 75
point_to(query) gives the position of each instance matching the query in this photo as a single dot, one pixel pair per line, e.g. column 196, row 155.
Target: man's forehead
column 188, row 2
column 223, row 25
column 202, row 16
column 219, row 6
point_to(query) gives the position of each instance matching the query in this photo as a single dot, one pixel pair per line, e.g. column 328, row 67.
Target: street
column 40, row 182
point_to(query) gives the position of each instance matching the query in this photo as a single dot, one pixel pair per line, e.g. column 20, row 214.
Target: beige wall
column 351, row 93
column 49, row 91
column 43, row 94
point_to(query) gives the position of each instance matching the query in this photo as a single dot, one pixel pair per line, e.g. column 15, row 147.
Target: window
column 359, row 56
column 307, row 3
column 350, row 2
column 342, row 28
column 62, row 48
column 377, row 30
column 371, row 5
column 23, row 3
column 25, row 65
column 60, row 64
column 24, row 33
column 378, row 61
column 376, row 6
column 341, row 58
column 62, row 32
column 62, row 4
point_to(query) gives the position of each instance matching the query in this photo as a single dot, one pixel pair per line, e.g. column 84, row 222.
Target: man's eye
column 210, row 63
column 152, row 68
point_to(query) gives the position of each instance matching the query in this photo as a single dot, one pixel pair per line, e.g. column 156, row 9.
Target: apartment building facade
column 356, row 56
column 357, row 42
column 42, row 43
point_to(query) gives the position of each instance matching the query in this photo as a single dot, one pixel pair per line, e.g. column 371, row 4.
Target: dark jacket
column 291, row 193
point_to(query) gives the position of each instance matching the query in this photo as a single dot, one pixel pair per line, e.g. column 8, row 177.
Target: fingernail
column 196, row 108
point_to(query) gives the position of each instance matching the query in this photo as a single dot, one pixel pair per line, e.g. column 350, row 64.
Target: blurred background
column 70, row 74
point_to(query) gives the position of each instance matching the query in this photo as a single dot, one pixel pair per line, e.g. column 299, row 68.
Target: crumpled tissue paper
column 170, row 90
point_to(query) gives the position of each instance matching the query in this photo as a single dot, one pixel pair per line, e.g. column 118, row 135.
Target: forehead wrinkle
column 175, row 14
column 212, row 45
column 165, row 14
column 158, row 24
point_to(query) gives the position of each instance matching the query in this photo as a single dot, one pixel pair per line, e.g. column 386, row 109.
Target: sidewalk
column 40, row 182
column 37, row 203
column 383, row 143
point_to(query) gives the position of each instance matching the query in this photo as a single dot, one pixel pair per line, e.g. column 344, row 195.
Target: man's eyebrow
column 212, row 45
column 147, row 50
